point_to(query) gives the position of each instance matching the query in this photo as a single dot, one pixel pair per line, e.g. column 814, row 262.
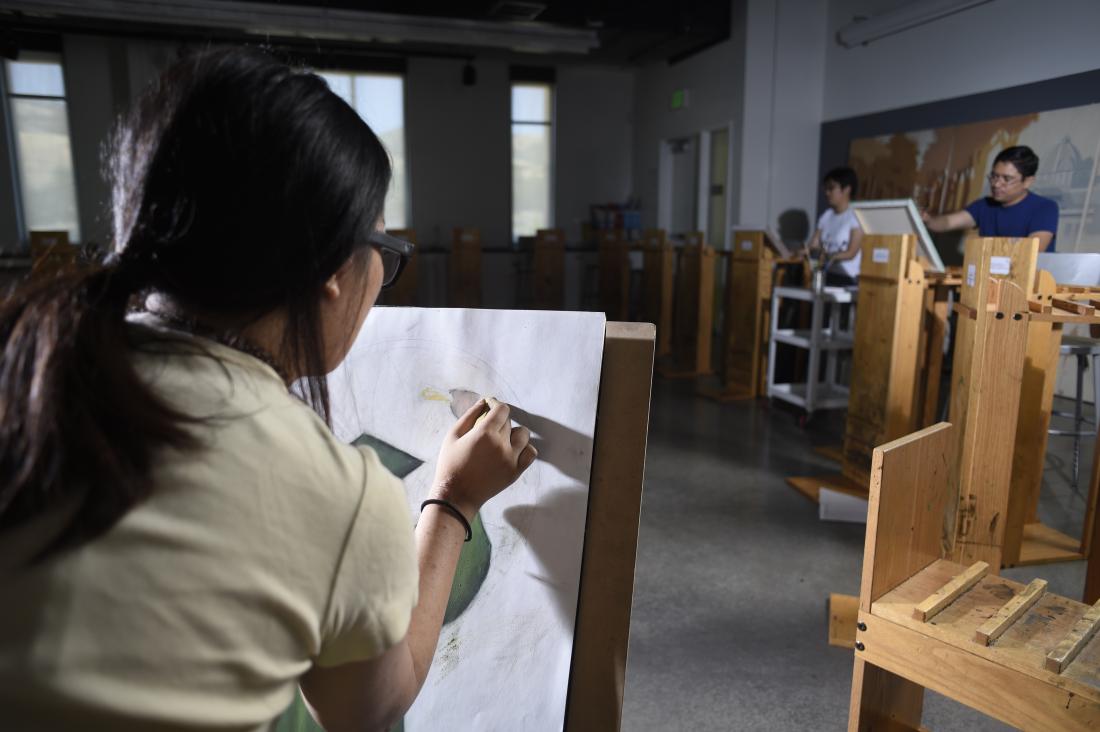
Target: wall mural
column 945, row 168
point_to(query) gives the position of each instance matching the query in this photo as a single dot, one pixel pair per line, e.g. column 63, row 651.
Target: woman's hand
column 481, row 456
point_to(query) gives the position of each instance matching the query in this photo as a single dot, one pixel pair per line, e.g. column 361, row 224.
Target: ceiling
column 624, row 32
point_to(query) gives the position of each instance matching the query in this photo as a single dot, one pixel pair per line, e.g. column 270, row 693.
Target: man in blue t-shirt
column 1011, row 208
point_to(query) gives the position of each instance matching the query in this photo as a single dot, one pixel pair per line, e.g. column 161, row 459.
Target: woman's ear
column 331, row 288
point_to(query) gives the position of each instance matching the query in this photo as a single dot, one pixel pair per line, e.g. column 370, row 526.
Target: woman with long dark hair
column 183, row 542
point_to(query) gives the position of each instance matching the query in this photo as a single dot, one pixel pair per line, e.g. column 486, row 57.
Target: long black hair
column 239, row 186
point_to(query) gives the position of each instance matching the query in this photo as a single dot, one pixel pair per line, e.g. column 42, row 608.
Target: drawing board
column 504, row 655
column 770, row 236
column 898, row 216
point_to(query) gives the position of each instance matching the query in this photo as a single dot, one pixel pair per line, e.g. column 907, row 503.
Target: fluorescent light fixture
column 862, row 32
column 297, row 21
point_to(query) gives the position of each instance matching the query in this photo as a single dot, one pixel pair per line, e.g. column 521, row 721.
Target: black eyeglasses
column 395, row 252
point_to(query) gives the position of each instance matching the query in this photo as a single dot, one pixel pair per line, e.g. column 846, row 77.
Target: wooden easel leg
column 882, row 701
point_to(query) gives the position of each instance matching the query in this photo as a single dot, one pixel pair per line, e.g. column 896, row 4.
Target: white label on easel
column 971, row 275
column 1000, row 265
column 880, row 255
column 746, row 245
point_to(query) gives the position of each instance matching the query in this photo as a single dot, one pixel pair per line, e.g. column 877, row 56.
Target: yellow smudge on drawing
column 431, row 394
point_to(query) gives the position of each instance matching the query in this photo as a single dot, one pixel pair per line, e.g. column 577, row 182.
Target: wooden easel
column 614, row 252
column 548, row 270
column 51, row 252
column 885, row 356
column 1003, row 388
column 404, row 291
column 598, row 672
column 882, row 403
column 658, row 274
column 990, row 346
column 1015, row 653
column 464, row 270
column 750, row 276
column 693, row 311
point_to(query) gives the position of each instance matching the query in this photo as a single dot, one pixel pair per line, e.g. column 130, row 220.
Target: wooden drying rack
column 897, row 358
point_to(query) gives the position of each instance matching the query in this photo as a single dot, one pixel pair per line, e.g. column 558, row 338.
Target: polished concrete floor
column 729, row 624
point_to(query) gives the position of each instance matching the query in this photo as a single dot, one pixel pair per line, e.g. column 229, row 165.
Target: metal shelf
column 801, row 339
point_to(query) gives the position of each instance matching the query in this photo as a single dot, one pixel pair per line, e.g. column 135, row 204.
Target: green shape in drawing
column 396, row 460
column 473, row 568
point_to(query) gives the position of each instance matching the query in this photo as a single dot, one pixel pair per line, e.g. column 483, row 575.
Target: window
column 532, row 146
column 380, row 100
column 39, row 121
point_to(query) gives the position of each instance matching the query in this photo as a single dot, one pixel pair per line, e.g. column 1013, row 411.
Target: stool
column 1082, row 348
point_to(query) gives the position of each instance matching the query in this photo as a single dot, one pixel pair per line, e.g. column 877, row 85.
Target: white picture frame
column 771, row 238
column 898, row 216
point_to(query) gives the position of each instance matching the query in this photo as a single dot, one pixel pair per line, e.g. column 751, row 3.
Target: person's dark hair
column 1021, row 156
column 843, row 177
column 239, row 186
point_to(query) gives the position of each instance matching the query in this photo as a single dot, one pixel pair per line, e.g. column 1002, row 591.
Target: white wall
column 780, row 128
column 1000, row 44
column 715, row 82
column 594, row 115
column 459, row 147
column 98, row 89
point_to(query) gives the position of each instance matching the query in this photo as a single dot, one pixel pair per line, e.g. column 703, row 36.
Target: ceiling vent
column 514, row 10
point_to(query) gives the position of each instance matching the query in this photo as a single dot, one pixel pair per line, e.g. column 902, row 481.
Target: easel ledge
column 598, row 672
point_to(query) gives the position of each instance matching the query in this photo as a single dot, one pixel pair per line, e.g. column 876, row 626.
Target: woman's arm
column 375, row 694
column 480, row 457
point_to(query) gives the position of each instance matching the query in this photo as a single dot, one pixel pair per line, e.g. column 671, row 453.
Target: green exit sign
column 679, row 99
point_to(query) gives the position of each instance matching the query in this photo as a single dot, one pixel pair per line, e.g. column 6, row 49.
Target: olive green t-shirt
column 273, row 548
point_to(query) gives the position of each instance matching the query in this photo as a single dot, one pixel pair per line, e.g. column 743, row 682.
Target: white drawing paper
column 503, row 661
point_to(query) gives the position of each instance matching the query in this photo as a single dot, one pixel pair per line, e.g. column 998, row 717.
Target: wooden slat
column 1072, row 644
column 1072, row 306
column 464, row 269
column 995, row 627
column 1090, row 540
column 947, row 594
column 1036, row 398
column 548, row 270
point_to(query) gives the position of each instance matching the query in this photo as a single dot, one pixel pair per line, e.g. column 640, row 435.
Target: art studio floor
column 734, row 568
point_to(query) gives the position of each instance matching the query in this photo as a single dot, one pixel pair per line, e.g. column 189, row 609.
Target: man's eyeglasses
column 395, row 252
column 1006, row 179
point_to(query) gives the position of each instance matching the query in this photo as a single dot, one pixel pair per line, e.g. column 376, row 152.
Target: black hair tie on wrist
column 453, row 510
